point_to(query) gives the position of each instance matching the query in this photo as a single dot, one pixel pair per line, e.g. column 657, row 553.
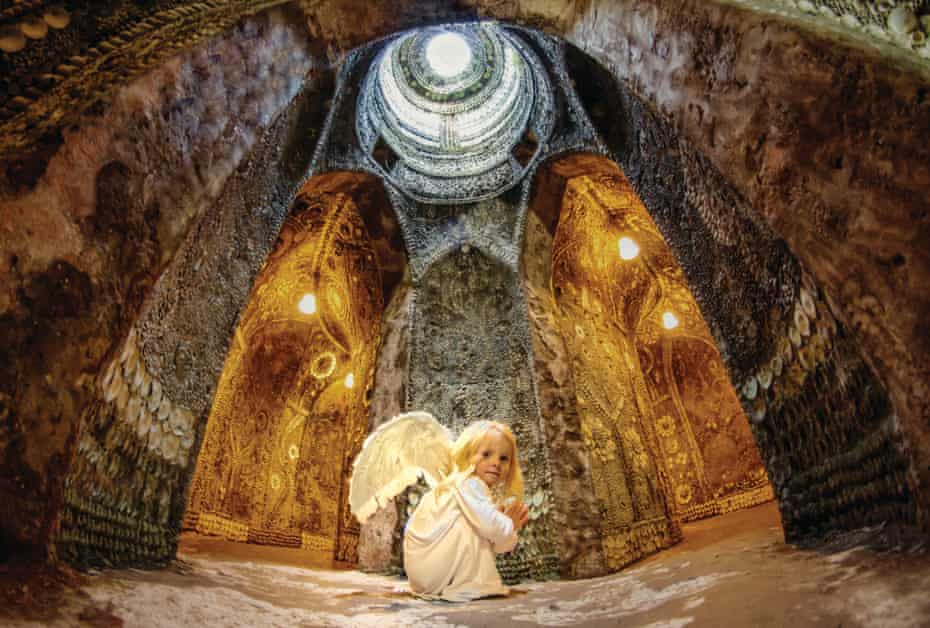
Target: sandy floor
column 730, row 571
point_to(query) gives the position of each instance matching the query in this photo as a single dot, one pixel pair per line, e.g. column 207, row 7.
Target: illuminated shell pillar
column 598, row 302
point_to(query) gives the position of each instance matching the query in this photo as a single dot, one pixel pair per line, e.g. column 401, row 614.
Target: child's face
column 493, row 458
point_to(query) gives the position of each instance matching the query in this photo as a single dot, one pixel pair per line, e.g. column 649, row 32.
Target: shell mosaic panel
column 291, row 410
column 697, row 419
column 468, row 361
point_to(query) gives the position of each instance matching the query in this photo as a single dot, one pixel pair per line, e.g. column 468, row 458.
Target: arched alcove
column 741, row 274
column 292, row 405
column 633, row 369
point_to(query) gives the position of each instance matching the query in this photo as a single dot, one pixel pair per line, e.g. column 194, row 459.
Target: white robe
column 451, row 540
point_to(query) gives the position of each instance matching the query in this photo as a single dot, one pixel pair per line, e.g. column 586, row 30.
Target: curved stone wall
column 97, row 225
column 790, row 372
column 821, row 135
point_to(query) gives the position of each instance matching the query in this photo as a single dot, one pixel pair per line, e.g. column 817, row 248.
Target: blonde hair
column 466, row 446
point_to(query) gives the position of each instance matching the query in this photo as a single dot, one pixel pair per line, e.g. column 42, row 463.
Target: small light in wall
column 350, row 380
column 307, row 304
column 628, row 248
column 669, row 320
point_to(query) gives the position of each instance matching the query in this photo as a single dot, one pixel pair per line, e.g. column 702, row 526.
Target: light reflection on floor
column 730, row 571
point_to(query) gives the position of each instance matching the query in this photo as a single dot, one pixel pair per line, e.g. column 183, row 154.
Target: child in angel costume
column 459, row 526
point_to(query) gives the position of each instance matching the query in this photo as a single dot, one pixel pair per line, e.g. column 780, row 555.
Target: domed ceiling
column 455, row 113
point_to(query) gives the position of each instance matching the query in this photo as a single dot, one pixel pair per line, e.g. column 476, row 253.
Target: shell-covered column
column 455, row 139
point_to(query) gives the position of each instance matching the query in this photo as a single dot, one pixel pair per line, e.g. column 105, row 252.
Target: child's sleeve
column 484, row 516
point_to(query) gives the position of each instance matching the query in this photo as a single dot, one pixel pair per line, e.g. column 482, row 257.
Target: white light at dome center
column 448, row 54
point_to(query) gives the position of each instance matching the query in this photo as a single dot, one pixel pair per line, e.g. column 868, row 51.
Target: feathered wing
column 394, row 456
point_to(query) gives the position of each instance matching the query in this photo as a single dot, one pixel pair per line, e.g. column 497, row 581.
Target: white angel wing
column 394, row 456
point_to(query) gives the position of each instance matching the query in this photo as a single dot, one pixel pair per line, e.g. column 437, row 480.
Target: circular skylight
column 443, row 108
column 448, row 54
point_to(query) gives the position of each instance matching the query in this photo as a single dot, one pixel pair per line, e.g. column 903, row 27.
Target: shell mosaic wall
column 468, row 360
column 147, row 193
column 811, row 371
column 102, row 220
column 291, row 410
column 759, row 305
column 125, row 492
column 678, row 391
column 616, row 420
column 135, row 451
column 904, row 24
